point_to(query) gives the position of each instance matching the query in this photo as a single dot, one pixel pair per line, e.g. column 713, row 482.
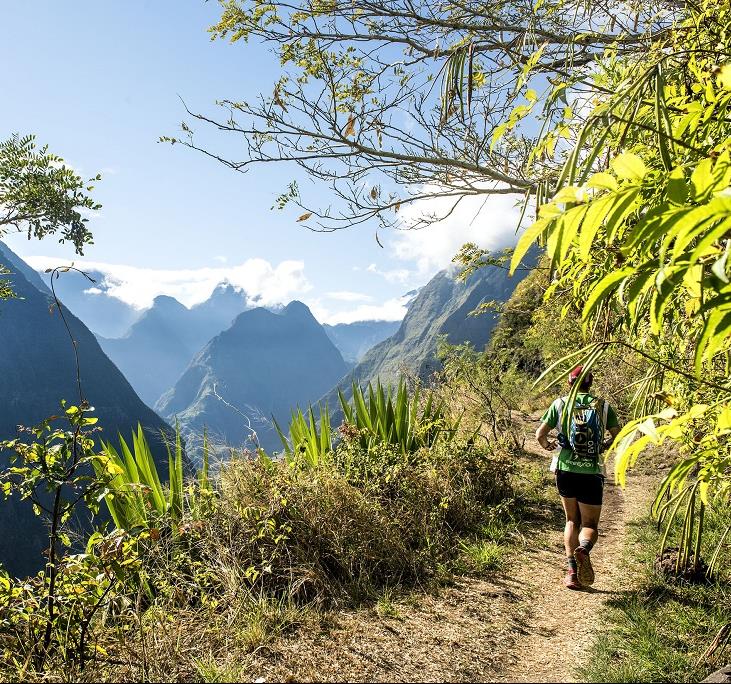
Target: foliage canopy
column 391, row 101
column 638, row 229
column 41, row 195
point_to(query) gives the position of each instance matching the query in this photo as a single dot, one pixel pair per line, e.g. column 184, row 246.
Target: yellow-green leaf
column 629, row 166
column 526, row 240
column 603, row 287
column 602, row 181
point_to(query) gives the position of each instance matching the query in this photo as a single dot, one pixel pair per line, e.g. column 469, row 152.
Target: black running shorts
column 585, row 488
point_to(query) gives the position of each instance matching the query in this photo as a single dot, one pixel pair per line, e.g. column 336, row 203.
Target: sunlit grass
column 659, row 631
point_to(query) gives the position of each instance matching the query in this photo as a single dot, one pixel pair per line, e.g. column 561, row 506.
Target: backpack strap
column 563, row 438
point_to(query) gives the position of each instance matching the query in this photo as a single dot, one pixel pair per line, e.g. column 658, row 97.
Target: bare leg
column 573, row 525
column 589, row 523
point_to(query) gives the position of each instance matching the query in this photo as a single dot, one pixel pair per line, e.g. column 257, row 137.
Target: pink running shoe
column 571, row 581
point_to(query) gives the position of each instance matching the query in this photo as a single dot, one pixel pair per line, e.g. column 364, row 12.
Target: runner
column 579, row 473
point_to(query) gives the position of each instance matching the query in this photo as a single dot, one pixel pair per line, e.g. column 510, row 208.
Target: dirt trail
column 560, row 624
column 523, row 626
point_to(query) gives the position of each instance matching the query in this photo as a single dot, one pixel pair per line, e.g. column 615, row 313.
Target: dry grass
column 286, row 549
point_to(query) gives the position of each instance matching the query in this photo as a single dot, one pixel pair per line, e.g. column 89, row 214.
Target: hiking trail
column 560, row 624
column 519, row 626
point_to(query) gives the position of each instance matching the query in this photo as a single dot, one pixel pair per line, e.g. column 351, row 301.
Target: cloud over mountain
column 489, row 221
column 265, row 283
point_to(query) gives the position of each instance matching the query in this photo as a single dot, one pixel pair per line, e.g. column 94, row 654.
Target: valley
column 367, row 341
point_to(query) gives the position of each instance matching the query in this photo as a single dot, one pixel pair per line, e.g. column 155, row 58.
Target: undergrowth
column 285, row 543
column 661, row 630
column 191, row 591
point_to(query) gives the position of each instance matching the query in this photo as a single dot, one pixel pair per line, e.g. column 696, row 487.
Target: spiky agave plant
column 399, row 420
column 380, row 417
column 136, row 495
column 310, row 440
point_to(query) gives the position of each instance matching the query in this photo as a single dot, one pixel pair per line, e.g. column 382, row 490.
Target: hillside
column 264, row 365
column 441, row 308
column 38, row 370
column 16, row 265
column 166, row 337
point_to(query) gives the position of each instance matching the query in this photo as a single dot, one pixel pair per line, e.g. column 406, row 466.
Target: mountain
column 159, row 346
column 441, row 308
column 218, row 311
column 264, row 365
column 37, row 368
column 91, row 302
column 353, row 340
column 15, row 264
column 155, row 350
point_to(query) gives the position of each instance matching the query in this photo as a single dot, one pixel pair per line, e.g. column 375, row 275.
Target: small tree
column 42, row 196
column 54, row 468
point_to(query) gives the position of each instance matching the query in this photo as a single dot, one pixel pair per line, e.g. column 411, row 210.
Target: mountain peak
column 225, row 290
column 297, row 308
column 167, row 302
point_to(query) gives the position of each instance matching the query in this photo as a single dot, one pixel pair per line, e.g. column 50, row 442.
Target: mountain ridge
column 167, row 336
column 441, row 308
column 38, row 369
column 264, row 365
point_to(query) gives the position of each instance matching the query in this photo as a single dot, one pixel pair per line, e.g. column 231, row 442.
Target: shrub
column 367, row 519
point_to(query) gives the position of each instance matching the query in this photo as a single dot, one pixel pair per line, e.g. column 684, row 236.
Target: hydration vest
column 585, row 435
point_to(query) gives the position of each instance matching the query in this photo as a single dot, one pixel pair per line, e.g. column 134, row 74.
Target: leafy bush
column 47, row 620
column 375, row 417
column 369, row 518
column 136, row 497
column 306, row 442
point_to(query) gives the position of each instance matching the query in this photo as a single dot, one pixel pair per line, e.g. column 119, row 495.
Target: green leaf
column 603, row 181
column 628, row 166
column 677, row 188
column 715, row 335
column 526, row 241
column 603, row 288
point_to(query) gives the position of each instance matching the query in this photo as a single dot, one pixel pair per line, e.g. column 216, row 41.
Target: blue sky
column 101, row 81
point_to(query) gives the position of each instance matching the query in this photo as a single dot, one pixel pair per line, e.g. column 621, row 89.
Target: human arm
column 612, row 428
column 613, row 431
column 542, row 436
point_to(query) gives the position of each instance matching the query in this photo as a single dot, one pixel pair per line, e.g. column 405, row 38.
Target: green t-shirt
column 567, row 459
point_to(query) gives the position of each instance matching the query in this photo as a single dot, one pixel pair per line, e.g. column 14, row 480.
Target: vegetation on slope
column 664, row 630
column 245, row 552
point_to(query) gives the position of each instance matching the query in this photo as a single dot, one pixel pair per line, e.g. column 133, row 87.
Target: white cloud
column 489, row 221
column 396, row 275
column 391, row 310
column 347, row 296
column 264, row 283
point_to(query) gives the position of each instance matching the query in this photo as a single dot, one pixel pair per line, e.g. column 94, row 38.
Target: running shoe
column 583, row 562
column 571, row 581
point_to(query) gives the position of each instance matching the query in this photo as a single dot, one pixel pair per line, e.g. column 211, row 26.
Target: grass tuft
column 481, row 556
column 385, row 606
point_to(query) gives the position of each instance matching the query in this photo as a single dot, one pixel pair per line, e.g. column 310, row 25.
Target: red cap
column 576, row 373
